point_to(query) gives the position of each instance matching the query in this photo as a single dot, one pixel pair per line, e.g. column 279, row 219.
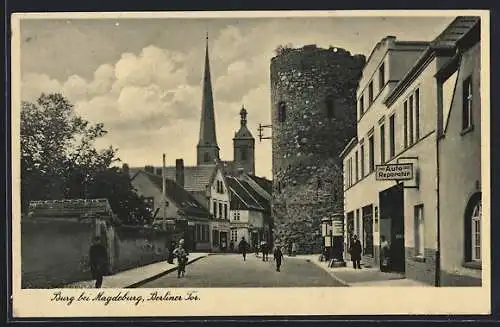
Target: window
column 349, row 172
column 243, row 154
column 236, row 215
column 410, row 114
column 467, row 104
column 225, row 210
column 370, row 93
column 356, row 164
column 405, row 123
column 206, row 157
column 358, row 224
column 281, row 111
column 476, row 232
column 234, row 235
column 371, row 155
column 362, row 159
column 220, row 210
column 419, row 230
column 392, row 140
column 329, row 107
column 381, row 76
column 361, row 106
column 417, row 115
column 382, row 143
column 149, row 202
column 215, row 209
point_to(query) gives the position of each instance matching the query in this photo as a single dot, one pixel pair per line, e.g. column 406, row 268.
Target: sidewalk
column 137, row 276
column 363, row 277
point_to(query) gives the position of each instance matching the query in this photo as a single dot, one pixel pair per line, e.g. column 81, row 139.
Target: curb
column 330, row 272
column 161, row 274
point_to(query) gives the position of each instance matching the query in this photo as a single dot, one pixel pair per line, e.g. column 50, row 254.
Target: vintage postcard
column 250, row 163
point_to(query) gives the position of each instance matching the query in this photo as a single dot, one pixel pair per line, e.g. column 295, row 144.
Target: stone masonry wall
column 318, row 88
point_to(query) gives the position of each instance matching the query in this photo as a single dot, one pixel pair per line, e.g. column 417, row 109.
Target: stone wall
column 54, row 252
column 318, row 89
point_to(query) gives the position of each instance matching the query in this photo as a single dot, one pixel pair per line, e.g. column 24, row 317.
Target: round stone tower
column 313, row 97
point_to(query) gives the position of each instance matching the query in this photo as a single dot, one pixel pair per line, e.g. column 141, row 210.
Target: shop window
column 367, row 213
column 419, row 230
column 467, row 104
column 281, row 111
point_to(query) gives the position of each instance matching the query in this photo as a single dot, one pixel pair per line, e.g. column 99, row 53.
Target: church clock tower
column 244, row 146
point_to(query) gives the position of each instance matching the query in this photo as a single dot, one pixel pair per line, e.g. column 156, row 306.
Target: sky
column 142, row 77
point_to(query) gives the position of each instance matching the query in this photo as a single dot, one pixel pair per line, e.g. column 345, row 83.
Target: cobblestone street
column 231, row 271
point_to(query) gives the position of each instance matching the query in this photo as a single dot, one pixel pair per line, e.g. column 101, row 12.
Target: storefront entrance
column 391, row 204
column 223, row 241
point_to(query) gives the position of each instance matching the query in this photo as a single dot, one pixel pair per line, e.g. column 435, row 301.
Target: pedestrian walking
column 182, row 258
column 355, row 252
column 243, row 247
column 384, row 254
column 294, row 249
column 265, row 251
column 278, row 257
column 98, row 260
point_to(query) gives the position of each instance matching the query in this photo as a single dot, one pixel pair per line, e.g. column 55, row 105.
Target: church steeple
column 207, row 149
column 244, row 146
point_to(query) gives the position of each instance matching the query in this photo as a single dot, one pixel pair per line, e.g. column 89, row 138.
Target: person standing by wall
column 384, row 254
column 278, row 257
column 182, row 257
column 243, row 247
column 356, row 251
column 98, row 261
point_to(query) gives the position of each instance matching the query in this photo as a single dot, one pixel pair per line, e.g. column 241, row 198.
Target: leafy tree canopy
column 59, row 159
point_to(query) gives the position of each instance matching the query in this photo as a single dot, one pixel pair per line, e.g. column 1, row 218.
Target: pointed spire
column 208, row 138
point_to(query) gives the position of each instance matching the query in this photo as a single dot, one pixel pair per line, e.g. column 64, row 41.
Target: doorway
column 391, row 203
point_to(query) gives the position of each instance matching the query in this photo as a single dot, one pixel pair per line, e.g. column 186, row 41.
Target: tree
column 59, row 159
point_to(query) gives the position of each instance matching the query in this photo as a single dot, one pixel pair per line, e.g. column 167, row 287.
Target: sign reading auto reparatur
column 394, row 172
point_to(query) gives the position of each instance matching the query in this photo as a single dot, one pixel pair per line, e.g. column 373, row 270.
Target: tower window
column 281, row 111
column 206, row 157
column 329, row 107
column 244, row 154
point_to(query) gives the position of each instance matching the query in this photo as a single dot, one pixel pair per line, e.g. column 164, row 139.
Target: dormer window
column 281, row 111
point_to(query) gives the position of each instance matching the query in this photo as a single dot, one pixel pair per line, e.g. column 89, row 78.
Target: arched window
column 472, row 224
column 476, row 232
column 281, row 111
column 243, row 154
column 206, row 157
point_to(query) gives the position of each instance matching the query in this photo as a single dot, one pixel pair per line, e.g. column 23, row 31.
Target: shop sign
column 394, row 172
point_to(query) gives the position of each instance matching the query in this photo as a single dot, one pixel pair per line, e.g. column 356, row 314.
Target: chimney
column 179, row 172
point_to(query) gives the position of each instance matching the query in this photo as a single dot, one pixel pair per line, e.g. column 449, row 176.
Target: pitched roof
column 182, row 198
column 196, row 178
column 241, row 196
column 266, row 184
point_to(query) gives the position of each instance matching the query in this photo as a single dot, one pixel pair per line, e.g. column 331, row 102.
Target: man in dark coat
column 356, row 251
column 278, row 257
column 98, row 260
column 243, row 247
column 265, row 251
